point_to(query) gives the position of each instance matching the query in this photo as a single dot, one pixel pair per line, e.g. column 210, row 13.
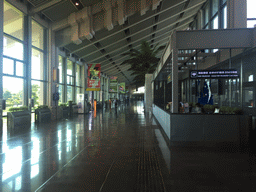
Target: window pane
column 216, row 23
column 19, row 69
column 251, row 4
column 70, row 80
column 13, row 21
column 215, row 4
column 78, row 90
column 78, row 67
column 225, row 17
column 224, row 1
column 60, row 67
column 37, row 65
column 12, row 92
column 13, row 48
column 37, row 35
column 206, row 16
column 8, row 66
column 69, row 93
column 69, row 67
column 251, row 23
column 248, row 97
column 37, row 92
column 61, row 93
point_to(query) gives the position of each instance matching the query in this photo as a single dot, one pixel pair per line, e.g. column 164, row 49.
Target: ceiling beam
column 46, row 6
column 112, row 34
column 123, row 47
column 148, row 35
column 137, row 46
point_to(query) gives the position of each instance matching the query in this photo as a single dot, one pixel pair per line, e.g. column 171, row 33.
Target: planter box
column 224, row 131
column 18, row 120
column 210, row 130
column 74, row 110
column 64, row 112
column 42, row 115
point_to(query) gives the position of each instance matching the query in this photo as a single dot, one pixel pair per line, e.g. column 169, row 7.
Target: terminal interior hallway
column 116, row 150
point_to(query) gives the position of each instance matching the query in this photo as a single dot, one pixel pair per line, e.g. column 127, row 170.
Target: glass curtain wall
column 70, row 81
column 38, row 79
column 13, row 57
column 215, row 14
column 78, row 81
column 61, row 79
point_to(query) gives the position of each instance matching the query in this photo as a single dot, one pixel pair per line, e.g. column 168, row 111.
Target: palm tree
column 142, row 61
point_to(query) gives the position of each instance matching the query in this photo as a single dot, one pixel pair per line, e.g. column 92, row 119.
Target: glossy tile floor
column 116, row 150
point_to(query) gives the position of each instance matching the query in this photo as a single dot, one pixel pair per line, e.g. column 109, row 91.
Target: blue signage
column 214, row 74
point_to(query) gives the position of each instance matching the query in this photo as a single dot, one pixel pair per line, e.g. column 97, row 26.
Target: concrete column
column 200, row 20
column 52, row 65
column 148, row 95
column 175, row 79
column 1, row 64
column 237, row 13
column 86, row 93
column 27, row 58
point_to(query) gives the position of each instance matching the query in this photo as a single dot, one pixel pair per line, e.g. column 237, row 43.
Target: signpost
column 214, row 74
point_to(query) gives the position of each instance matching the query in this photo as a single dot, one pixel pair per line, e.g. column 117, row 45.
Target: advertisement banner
column 93, row 79
column 113, row 85
column 122, row 87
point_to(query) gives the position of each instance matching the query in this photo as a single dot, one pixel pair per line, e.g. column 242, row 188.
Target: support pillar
column 148, row 95
column 52, row 66
column 237, row 13
column 1, row 65
column 27, row 58
column 175, row 80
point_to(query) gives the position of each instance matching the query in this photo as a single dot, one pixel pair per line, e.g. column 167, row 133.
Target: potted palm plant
column 142, row 61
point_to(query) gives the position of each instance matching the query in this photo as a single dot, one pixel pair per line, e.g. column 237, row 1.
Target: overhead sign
column 93, row 79
column 113, row 84
column 169, row 78
column 122, row 87
column 214, row 74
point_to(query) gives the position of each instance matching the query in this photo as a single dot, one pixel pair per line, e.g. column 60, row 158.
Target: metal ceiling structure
column 100, row 31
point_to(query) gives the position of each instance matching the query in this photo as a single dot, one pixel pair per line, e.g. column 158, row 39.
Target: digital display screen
column 214, row 74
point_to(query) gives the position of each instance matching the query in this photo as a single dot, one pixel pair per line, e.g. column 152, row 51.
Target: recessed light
column 77, row 3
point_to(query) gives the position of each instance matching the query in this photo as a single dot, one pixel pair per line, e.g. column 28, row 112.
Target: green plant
column 237, row 111
column 209, row 107
column 142, row 61
column 223, row 109
column 63, row 104
column 42, row 107
column 192, row 104
column 14, row 109
column 226, row 110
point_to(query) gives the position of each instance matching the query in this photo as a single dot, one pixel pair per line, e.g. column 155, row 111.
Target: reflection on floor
column 117, row 150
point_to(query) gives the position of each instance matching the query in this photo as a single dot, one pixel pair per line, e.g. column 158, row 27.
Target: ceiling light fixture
column 77, row 3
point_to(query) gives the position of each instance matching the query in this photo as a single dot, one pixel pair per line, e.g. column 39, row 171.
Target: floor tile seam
column 48, row 180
